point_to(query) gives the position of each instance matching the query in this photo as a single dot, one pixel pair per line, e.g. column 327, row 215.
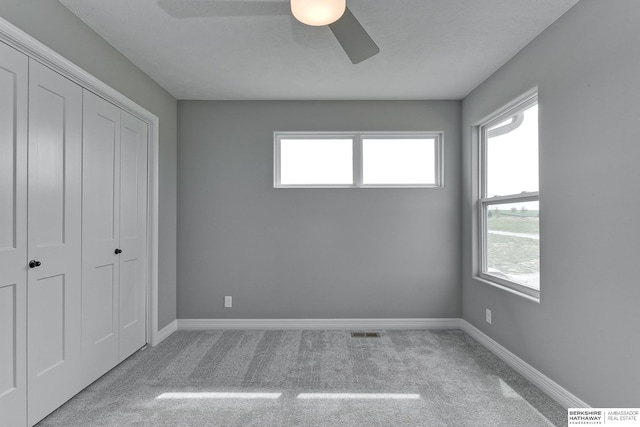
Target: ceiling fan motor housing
column 318, row 12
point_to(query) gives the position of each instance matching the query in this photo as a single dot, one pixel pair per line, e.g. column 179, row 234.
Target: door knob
column 33, row 263
column 118, row 251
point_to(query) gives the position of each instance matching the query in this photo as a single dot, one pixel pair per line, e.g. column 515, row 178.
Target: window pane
column 513, row 242
column 399, row 161
column 512, row 155
column 316, row 161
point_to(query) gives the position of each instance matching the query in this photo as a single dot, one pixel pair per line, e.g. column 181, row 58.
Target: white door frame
column 21, row 41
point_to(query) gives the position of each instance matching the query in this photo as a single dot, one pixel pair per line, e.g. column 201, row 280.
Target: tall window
column 509, row 199
column 358, row 160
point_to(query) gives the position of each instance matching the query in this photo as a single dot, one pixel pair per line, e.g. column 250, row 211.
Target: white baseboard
column 164, row 333
column 418, row 323
column 544, row 383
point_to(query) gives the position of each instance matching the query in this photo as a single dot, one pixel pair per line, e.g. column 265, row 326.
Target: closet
column 73, row 236
column 113, row 235
column 13, row 236
column 53, row 239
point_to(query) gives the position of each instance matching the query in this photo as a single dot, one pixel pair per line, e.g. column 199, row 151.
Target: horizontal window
column 316, row 161
column 397, row 161
column 358, row 160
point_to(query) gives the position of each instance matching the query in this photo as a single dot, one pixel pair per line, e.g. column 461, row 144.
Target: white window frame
column 357, row 138
column 485, row 203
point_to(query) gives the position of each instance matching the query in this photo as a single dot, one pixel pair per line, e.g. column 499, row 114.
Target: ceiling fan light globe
column 318, row 12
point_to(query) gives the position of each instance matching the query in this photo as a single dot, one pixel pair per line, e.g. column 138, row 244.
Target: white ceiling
column 429, row 49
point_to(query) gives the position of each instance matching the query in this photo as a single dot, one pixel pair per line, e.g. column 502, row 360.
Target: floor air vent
column 365, row 334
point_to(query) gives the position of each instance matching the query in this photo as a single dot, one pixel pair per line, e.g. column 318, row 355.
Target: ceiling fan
column 353, row 38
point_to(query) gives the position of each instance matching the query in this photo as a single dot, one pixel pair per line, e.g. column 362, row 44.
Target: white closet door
column 100, row 235
column 54, row 207
column 133, row 235
column 13, row 236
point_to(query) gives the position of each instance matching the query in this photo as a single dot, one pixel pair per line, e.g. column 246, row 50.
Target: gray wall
column 311, row 253
column 52, row 24
column 585, row 332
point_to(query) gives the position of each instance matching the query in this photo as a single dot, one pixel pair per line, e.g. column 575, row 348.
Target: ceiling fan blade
column 212, row 8
column 353, row 38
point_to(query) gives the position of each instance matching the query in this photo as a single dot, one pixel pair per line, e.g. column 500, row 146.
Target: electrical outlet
column 488, row 316
column 228, row 303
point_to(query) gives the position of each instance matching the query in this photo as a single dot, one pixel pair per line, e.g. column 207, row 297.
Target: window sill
column 508, row 289
column 358, row 186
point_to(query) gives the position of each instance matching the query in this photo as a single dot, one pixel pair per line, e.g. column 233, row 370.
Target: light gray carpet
column 436, row 378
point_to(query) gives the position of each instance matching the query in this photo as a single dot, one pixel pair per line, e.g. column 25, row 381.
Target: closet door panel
column 9, row 351
column 13, row 143
column 48, row 170
column 133, row 235
column 13, row 235
column 54, row 218
column 100, row 235
column 48, row 323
